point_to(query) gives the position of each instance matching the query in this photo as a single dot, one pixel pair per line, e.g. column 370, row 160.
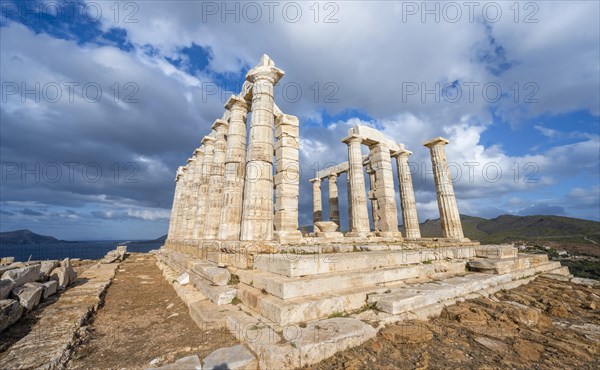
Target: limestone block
column 185, row 363
column 29, row 295
column 233, row 358
column 23, row 275
column 219, row 295
column 7, row 260
column 215, row 275
column 111, row 256
column 122, row 250
column 322, row 339
column 50, row 288
column 10, row 313
column 496, row 251
column 6, row 286
column 326, row 226
column 12, row 266
column 66, row 263
column 287, row 130
column 61, row 276
column 183, row 279
column 46, row 267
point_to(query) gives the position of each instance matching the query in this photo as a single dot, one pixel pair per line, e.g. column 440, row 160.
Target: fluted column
column 208, row 143
column 235, row 168
column 317, row 206
column 408, row 204
column 385, row 191
column 215, row 185
column 334, row 203
column 196, row 172
column 187, row 199
column 257, row 214
column 449, row 216
column 287, row 179
column 371, row 195
column 349, row 193
column 175, row 206
column 360, row 215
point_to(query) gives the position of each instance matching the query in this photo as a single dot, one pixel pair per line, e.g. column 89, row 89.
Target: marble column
column 385, row 191
column 215, row 185
column 184, row 205
column 176, row 200
column 317, row 205
column 449, row 216
column 334, row 203
column 208, row 143
column 287, row 179
column 196, row 172
column 360, row 215
column 371, row 195
column 257, row 214
column 349, row 193
column 407, row 195
column 235, row 168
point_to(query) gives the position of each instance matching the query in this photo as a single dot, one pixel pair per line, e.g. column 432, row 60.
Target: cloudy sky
column 102, row 100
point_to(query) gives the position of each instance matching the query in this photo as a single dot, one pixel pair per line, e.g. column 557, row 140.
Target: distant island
column 26, row 237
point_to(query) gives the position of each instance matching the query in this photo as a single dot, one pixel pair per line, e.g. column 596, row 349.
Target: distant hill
column 144, row 244
column 25, row 237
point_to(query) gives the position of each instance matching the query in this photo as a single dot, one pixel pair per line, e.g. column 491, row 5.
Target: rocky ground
column 143, row 319
column 546, row 324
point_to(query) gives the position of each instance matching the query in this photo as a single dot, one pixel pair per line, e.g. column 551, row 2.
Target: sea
column 73, row 249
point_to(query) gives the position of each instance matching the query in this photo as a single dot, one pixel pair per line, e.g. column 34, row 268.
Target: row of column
column 225, row 191
column 382, row 192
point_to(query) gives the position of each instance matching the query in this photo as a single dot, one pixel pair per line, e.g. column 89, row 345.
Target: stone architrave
column 408, row 204
column 257, row 213
column 235, row 168
column 385, row 192
column 449, row 216
column 208, row 143
column 334, row 203
column 175, row 207
column 287, row 178
column 214, row 201
column 360, row 214
column 317, row 202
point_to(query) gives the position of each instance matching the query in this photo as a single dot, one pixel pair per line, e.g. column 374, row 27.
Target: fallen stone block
column 185, row 363
column 66, row 263
column 23, row 275
column 184, row 279
column 61, row 276
column 232, row 358
column 46, row 268
column 12, row 266
column 7, row 260
column 6, row 286
column 29, row 295
column 10, row 312
column 50, row 288
column 122, row 251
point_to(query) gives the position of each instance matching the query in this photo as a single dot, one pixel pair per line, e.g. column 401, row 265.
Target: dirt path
column 543, row 325
column 143, row 319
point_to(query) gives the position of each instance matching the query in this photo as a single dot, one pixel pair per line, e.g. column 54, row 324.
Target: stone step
column 294, row 265
column 289, row 287
column 285, row 312
column 411, row 297
column 507, row 265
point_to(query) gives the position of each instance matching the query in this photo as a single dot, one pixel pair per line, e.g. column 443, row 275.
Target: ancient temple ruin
column 242, row 183
column 237, row 258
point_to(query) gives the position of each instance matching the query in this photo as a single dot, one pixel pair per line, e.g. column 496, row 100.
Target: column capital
column 190, row 160
column 265, row 70
column 333, row 177
column 198, row 151
column 220, row 126
column 208, row 140
column 236, row 102
column 436, row 141
column 315, row 180
column 400, row 153
column 353, row 139
column 288, row 119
